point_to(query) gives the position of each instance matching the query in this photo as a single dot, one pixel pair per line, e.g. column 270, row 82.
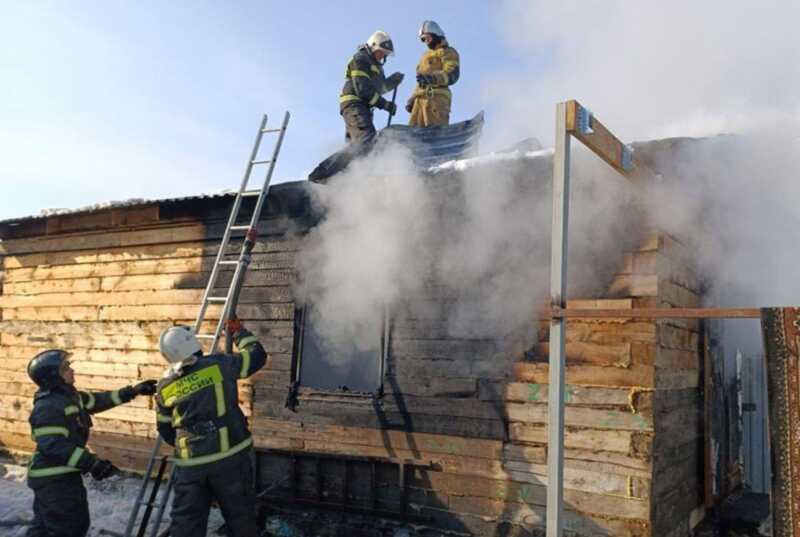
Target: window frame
column 298, row 391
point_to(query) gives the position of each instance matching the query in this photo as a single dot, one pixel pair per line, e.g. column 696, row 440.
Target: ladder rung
column 271, row 130
column 240, row 228
column 261, row 161
column 226, row 262
column 205, row 336
column 157, row 505
column 251, row 193
column 216, row 299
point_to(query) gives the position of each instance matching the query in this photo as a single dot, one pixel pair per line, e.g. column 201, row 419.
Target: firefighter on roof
column 60, row 424
column 198, row 413
column 437, row 70
column 363, row 89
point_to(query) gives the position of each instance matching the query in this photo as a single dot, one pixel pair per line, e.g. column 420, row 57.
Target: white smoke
column 648, row 69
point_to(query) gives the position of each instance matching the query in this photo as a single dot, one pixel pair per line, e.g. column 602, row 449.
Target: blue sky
column 105, row 101
column 112, row 100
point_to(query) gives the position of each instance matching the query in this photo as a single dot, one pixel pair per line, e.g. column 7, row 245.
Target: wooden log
column 156, row 250
column 523, row 392
column 611, row 440
column 587, row 375
column 659, row 313
column 582, row 417
column 579, row 352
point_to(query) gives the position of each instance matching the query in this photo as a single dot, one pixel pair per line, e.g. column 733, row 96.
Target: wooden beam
column 656, row 313
column 600, row 140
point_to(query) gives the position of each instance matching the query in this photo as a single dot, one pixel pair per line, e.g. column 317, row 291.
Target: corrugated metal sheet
column 133, row 202
column 429, row 146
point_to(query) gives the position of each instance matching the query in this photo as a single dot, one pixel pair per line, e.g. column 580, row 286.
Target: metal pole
column 394, row 96
column 558, row 291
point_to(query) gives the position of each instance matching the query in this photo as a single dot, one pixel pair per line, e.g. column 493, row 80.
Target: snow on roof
column 492, row 158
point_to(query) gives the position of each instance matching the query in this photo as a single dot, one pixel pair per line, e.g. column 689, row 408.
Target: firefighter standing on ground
column 60, row 426
column 198, row 413
column 437, row 70
column 364, row 86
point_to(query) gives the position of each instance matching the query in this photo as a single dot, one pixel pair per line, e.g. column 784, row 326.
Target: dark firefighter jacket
column 60, row 424
column 198, row 412
column 364, row 81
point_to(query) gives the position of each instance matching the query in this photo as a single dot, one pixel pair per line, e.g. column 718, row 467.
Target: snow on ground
column 110, row 503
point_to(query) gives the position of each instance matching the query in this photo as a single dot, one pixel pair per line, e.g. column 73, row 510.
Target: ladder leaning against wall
column 228, row 300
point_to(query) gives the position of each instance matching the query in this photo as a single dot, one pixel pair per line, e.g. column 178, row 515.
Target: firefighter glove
column 390, row 107
column 147, row 387
column 394, row 80
column 102, row 469
column 410, row 105
column 233, row 325
column 426, row 80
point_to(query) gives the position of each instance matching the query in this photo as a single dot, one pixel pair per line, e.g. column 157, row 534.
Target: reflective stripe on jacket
column 364, row 80
column 60, row 424
column 198, row 412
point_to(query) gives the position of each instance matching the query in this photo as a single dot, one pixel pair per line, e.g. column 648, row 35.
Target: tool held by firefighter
column 60, row 425
column 198, row 414
column 438, row 69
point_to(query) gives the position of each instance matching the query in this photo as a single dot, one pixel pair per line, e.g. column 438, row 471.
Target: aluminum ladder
column 228, row 300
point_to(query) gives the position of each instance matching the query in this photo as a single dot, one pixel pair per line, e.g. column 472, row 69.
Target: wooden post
column 558, row 290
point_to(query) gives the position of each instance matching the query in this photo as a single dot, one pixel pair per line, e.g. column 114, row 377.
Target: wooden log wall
column 104, row 286
column 469, row 417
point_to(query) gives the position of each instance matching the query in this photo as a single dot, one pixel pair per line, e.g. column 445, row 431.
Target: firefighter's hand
column 410, row 105
column 426, row 80
column 147, row 387
column 233, row 325
column 102, row 469
column 394, row 80
column 390, row 107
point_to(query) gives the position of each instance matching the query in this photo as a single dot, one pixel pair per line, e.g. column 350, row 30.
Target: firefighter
column 437, row 70
column 60, row 424
column 363, row 89
column 198, row 413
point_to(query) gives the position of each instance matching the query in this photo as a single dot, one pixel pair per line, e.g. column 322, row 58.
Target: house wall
column 466, row 417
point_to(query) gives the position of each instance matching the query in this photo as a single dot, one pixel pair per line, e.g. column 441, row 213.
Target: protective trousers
column 230, row 482
column 361, row 132
column 430, row 110
column 60, row 508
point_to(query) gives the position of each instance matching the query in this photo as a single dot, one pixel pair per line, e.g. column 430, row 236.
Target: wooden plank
column 582, row 417
column 636, row 375
column 202, row 248
column 524, row 392
column 579, row 352
column 601, row 141
column 657, row 313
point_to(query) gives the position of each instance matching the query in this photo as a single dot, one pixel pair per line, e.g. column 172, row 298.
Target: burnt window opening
column 320, row 366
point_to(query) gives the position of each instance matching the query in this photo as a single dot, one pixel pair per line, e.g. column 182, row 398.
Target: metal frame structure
column 573, row 120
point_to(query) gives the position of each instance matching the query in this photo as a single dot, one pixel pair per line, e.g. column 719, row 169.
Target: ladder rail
column 140, row 495
column 212, row 281
column 241, row 266
column 232, row 293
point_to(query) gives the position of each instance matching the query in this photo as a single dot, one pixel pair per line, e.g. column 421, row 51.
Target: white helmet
column 178, row 343
column 380, row 40
column 430, row 27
